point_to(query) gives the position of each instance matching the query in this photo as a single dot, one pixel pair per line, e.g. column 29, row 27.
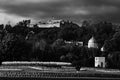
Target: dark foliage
column 20, row 42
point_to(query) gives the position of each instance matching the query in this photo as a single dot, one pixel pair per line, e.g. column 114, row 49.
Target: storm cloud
column 75, row 10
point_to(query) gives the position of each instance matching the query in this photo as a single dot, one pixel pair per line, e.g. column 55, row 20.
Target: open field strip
column 108, row 71
column 10, row 69
column 54, row 69
column 48, row 72
column 43, row 71
column 37, row 68
column 51, row 69
column 35, row 63
column 103, row 70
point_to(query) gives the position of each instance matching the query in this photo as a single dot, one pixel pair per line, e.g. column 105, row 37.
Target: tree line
column 24, row 43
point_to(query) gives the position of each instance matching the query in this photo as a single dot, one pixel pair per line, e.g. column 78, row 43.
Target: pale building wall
column 100, row 62
column 49, row 25
column 74, row 43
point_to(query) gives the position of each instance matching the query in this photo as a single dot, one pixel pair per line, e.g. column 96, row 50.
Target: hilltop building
column 49, row 23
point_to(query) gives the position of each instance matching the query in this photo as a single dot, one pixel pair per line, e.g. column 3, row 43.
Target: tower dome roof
column 92, row 40
column 92, row 43
column 103, row 48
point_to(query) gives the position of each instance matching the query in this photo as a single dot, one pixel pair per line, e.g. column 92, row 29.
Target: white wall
column 49, row 25
column 99, row 61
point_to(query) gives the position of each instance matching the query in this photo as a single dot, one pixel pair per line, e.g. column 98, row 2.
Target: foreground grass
column 55, row 72
column 35, row 70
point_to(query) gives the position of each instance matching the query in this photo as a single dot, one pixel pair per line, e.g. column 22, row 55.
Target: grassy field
column 41, row 71
column 64, row 72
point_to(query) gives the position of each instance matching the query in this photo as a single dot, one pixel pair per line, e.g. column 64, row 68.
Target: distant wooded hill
column 24, row 43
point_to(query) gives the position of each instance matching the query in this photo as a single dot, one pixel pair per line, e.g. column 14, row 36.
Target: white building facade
column 49, row 23
column 100, row 62
column 77, row 43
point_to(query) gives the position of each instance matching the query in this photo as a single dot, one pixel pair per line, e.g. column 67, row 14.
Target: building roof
column 92, row 40
column 92, row 43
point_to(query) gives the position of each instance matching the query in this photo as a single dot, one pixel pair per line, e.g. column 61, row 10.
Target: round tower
column 102, row 49
column 92, row 43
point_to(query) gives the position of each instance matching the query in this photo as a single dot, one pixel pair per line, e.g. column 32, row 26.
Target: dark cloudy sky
column 75, row 10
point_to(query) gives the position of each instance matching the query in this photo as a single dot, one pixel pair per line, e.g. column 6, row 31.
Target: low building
column 77, row 43
column 100, row 62
column 49, row 23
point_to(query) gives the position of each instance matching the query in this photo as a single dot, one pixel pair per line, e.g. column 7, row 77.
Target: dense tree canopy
column 21, row 42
